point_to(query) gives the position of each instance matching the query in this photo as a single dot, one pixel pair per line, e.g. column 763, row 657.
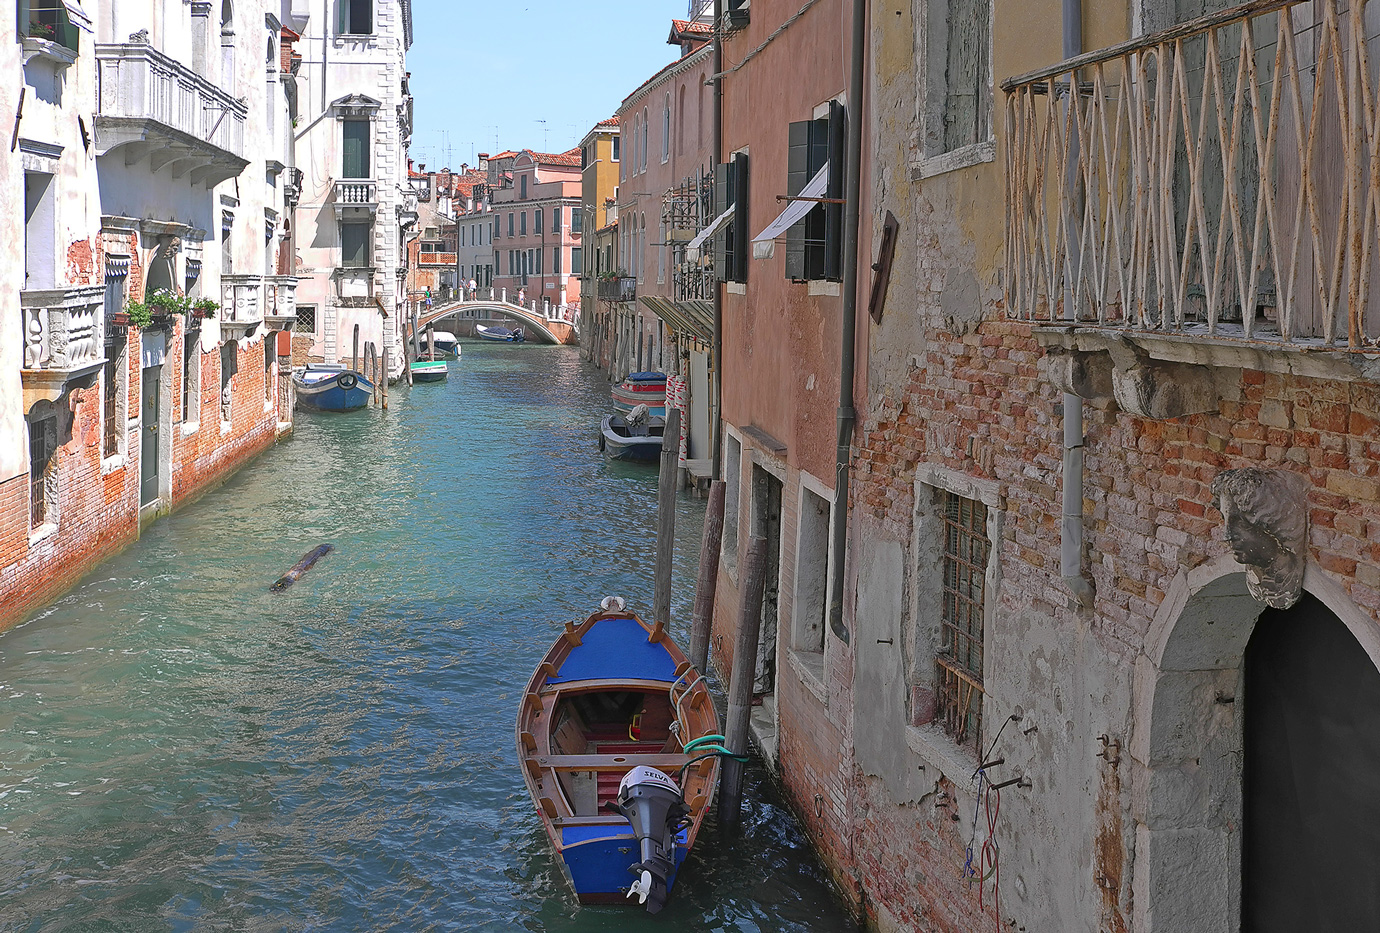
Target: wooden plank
column 662, row 761
column 882, row 267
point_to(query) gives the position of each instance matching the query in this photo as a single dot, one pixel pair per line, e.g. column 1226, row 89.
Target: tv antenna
column 545, row 135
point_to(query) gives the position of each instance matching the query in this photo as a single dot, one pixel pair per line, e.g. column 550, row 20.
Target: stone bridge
column 546, row 324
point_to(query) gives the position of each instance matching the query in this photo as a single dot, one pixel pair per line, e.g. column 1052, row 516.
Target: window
column 191, row 378
column 557, row 214
column 40, row 231
column 661, row 255
column 958, row 94
column 496, row 230
column 110, row 413
column 537, row 258
column 646, row 136
column 958, row 663
column 577, row 221
column 733, row 481
column 536, row 221
column 522, row 224
column 356, row 17
column 270, row 357
column 522, row 191
column 306, row 319
column 429, row 248
column 42, row 471
column 354, row 244
column 811, row 603
column 556, row 261
column 510, row 223
column 355, row 162
column 666, row 129
column 229, row 366
column 814, row 243
column 732, row 244
column 616, row 140
column 577, row 265
column 47, row 19
column 227, row 250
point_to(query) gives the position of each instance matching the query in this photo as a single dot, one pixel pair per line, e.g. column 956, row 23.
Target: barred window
column 42, row 446
column 958, row 665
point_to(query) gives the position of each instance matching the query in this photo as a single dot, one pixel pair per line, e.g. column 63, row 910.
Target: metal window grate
column 958, row 668
column 110, row 435
column 42, row 445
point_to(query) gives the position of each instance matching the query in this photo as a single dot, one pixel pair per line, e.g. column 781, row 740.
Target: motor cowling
column 653, row 804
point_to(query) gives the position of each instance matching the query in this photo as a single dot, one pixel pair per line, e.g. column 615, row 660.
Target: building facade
column 539, row 227
column 600, row 151
column 149, row 295
column 353, row 125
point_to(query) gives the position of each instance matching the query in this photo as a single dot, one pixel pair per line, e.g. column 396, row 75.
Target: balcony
column 1210, row 193
column 280, row 307
column 618, row 288
column 241, row 305
column 360, row 193
column 64, row 341
column 151, row 106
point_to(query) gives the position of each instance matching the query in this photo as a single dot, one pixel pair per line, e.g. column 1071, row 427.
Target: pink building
column 538, row 226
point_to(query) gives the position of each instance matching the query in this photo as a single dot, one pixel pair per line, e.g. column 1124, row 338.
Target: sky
column 485, row 76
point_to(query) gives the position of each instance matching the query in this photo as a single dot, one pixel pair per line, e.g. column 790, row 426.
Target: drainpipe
column 848, row 343
column 1071, row 521
column 716, row 351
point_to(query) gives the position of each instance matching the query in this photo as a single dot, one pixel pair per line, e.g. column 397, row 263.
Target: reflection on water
column 181, row 749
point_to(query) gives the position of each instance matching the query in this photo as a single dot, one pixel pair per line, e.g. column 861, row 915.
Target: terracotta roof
column 611, row 121
column 506, row 154
column 680, row 28
column 569, row 157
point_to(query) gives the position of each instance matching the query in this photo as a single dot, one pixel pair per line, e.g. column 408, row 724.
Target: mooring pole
column 702, row 618
column 666, row 516
column 740, row 685
column 383, row 382
column 431, row 343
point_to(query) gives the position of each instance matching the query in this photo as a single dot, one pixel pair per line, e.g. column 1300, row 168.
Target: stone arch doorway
column 1190, row 763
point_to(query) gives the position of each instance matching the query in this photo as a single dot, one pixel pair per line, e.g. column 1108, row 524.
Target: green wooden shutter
column 797, row 177
column 742, row 234
column 722, row 182
column 833, row 213
column 356, row 149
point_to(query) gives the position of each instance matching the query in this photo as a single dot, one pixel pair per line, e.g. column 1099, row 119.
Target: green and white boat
column 429, row 371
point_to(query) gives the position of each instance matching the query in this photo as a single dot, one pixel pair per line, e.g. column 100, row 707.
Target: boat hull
column 341, row 391
column 429, row 371
column 498, row 334
column 647, row 388
column 634, row 449
column 573, row 739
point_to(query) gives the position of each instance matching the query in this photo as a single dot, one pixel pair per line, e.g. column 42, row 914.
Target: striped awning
column 116, row 267
column 694, row 317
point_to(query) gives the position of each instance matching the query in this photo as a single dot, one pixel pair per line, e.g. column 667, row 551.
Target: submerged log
column 302, row 566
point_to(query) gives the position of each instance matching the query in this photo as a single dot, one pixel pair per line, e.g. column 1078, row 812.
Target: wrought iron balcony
column 280, row 306
column 1218, row 181
column 619, row 288
column 152, row 106
column 64, row 340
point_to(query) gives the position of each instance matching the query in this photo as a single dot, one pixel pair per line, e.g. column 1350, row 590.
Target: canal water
column 180, row 749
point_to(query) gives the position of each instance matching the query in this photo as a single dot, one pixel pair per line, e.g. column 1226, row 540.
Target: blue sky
column 485, row 74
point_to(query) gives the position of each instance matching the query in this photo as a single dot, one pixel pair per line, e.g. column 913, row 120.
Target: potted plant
column 205, row 308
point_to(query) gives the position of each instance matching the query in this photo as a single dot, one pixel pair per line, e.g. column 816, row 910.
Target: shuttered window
column 354, row 245
column 814, row 244
column 732, row 244
column 355, row 149
column 958, row 74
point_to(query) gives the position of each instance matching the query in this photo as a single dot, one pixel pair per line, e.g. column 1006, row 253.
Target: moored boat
column 619, row 745
column 499, row 332
column 429, row 371
column 635, row 436
column 331, row 387
column 447, row 345
column 647, row 388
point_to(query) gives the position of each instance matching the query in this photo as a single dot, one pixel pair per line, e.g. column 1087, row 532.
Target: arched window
column 641, row 244
column 666, row 128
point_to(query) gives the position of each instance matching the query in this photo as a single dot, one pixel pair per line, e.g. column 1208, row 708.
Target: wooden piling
column 740, row 684
column 702, row 618
column 666, row 516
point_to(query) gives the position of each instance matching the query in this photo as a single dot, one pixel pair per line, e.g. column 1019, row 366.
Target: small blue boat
column 331, row 387
column 499, row 332
column 619, row 744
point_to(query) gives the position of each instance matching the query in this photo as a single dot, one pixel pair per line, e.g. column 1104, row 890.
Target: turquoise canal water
column 180, row 749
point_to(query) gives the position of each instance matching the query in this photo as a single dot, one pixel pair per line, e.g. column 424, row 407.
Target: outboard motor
column 653, row 804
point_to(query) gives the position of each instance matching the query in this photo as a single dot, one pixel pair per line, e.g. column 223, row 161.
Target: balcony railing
column 242, row 302
column 170, row 113
column 1220, row 179
column 280, row 301
column 63, row 340
column 356, row 192
column 621, row 288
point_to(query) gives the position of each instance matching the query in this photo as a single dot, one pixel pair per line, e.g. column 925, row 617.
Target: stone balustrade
column 64, row 340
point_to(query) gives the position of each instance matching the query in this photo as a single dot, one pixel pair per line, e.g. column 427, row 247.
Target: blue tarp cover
column 616, row 649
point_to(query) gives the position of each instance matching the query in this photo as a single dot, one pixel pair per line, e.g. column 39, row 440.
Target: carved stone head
column 1266, row 514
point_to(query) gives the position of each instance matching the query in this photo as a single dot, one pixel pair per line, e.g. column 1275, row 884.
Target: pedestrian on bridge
column 474, row 290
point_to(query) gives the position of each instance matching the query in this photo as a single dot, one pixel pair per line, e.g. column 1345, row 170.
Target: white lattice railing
column 58, row 337
column 356, row 192
column 1234, row 155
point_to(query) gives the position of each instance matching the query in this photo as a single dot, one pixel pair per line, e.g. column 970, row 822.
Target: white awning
column 692, row 249
column 77, row 16
column 797, row 209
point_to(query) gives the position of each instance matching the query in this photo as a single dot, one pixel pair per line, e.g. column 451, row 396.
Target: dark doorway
column 766, row 519
column 1311, row 856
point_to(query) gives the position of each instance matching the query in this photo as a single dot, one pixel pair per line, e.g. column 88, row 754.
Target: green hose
column 703, row 740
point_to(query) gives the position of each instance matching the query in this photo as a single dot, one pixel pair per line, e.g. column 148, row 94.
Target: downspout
column 848, row 342
column 716, row 351
column 1071, row 521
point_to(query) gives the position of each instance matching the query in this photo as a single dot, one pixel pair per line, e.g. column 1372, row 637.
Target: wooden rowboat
column 601, row 736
